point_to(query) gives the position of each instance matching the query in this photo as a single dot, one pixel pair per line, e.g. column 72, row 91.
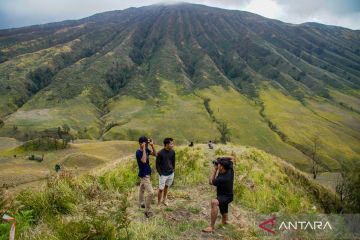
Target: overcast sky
column 346, row 13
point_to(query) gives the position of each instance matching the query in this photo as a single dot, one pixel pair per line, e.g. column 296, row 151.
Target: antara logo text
column 270, row 225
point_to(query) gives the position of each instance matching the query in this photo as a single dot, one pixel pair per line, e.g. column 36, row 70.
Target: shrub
column 352, row 191
column 120, row 178
column 41, row 77
column 95, row 228
column 189, row 166
column 59, row 197
column 118, row 77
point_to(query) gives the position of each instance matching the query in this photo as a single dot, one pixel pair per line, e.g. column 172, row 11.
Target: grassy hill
column 17, row 169
column 103, row 205
column 150, row 70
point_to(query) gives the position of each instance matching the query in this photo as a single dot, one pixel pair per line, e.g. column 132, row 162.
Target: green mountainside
column 188, row 71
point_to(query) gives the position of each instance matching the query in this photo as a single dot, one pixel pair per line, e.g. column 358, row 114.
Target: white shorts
column 165, row 180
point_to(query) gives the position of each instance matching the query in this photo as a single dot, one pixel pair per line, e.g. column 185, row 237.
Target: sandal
column 208, row 230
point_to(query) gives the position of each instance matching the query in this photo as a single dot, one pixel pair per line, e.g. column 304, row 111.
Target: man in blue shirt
column 142, row 157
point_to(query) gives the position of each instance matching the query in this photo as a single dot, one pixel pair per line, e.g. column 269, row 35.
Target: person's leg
column 224, row 209
column 213, row 215
column 224, row 218
column 161, row 188
column 168, row 182
column 149, row 194
column 214, row 212
column 160, row 192
column 165, row 195
column 141, row 192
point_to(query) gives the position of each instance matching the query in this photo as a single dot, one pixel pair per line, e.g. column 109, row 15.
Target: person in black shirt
column 165, row 166
column 223, row 178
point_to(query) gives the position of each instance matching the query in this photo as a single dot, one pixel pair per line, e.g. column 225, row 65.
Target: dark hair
column 143, row 139
column 167, row 141
column 225, row 162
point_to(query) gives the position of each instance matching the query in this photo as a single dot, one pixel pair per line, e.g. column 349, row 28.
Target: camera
column 224, row 161
column 215, row 162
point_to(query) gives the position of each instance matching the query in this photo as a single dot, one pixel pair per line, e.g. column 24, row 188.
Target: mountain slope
column 165, row 59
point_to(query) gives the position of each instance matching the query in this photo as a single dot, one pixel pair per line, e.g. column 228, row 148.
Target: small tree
column 315, row 154
column 349, row 189
column 224, row 131
column 66, row 128
column 353, row 191
column 15, row 128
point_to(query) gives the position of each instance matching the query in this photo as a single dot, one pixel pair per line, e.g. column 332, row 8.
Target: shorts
column 224, row 203
column 166, row 180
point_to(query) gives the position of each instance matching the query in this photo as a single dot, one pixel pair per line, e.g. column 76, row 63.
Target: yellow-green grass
column 346, row 99
column 182, row 117
column 269, row 184
column 344, row 120
column 301, row 123
column 77, row 113
column 247, row 126
column 6, row 143
column 82, row 161
column 82, row 157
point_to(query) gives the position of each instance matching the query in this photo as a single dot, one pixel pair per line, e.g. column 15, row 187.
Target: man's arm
column 143, row 149
column 213, row 175
column 173, row 161
column 153, row 150
column 158, row 160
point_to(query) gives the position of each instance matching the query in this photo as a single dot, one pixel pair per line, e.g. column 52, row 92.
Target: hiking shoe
column 165, row 203
column 149, row 214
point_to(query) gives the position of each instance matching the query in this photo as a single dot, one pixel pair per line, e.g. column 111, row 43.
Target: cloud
column 333, row 12
column 266, row 8
column 346, row 13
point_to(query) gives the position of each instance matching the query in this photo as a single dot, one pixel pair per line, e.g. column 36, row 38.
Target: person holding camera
column 223, row 178
column 165, row 166
column 142, row 157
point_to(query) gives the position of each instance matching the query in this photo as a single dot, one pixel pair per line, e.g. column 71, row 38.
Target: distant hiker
column 211, row 145
column 223, row 178
column 165, row 166
column 57, row 167
column 191, row 144
column 142, row 157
